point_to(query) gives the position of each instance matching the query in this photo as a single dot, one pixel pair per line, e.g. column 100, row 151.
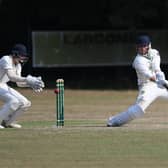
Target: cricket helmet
column 20, row 51
column 143, row 40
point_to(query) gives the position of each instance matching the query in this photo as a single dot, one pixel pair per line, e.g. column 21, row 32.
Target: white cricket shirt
column 7, row 63
column 146, row 66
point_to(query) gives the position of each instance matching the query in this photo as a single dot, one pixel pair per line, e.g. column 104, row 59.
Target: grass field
column 85, row 141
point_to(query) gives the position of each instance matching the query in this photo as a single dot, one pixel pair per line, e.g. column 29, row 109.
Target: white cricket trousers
column 14, row 104
column 148, row 93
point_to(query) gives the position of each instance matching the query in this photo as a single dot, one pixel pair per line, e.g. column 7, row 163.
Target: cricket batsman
column 151, row 82
column 14, row 102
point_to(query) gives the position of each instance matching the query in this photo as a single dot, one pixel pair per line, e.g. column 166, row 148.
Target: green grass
column 67, row 123
column 89, row 147
column 85, row 141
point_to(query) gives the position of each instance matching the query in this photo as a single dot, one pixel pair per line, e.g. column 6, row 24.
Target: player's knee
column 26, row 104
column 144, row 102
column 15, row 104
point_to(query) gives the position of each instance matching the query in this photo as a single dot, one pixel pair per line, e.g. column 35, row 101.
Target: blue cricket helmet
column 143, row 40
column 19, row 49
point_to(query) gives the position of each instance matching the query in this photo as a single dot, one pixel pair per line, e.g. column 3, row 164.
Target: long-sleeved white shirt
column 9, row 71
column 147, row 66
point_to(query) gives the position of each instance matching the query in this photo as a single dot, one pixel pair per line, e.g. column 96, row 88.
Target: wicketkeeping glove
column 35, row 83
column 41, row 86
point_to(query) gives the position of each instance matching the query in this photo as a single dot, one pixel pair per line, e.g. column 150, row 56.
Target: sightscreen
column 90, row 48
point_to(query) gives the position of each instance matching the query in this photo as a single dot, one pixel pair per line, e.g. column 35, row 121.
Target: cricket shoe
column 109, row 122
column 14, row 125
column 11, row 125
column 2, row 127
column 112, row 123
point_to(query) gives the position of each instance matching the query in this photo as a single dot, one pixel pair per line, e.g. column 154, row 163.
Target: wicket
column 59, row 102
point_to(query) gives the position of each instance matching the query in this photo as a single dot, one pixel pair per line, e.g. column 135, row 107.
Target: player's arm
column 160, row 76
column 34, row 82
column 22, row 84
column 14, row 77
column 159, row 73
column 152, row 78
column 142, row 68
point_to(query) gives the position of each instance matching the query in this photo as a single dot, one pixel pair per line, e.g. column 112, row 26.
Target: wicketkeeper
column 151, row 82
column 14, row 102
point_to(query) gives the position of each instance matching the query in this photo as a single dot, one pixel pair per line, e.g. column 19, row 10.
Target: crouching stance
column 151, row 82
column 14, row 102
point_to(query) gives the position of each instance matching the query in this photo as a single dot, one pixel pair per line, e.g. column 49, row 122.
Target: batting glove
column 163, row 83
column 160, row 76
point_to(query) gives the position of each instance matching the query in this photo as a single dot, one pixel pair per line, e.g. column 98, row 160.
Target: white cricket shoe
column 2, row 127
column 109, row 123
column 11, row 125
column 112, row 123
column 14, row 125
